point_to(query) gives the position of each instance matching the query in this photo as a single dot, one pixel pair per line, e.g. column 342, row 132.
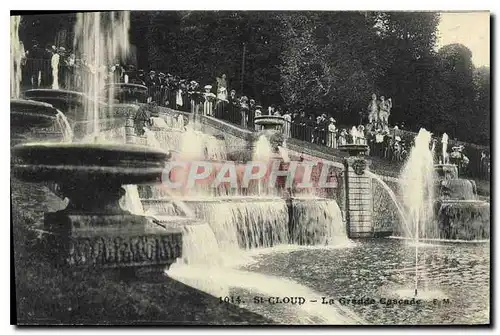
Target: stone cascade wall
column 359, row 204
column 386, row 218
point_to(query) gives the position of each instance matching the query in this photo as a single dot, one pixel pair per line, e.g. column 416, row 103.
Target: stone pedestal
column 93, row 232
column 130, row 131
column 96, row 242
column 359, row 197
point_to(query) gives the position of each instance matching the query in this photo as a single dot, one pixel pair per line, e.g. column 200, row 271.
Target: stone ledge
column 365, row 212
column 359, row 186
column 361, row 234
column 110, row 241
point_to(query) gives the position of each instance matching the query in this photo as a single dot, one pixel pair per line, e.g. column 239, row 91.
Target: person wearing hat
column 244, row 111
column 232, row 112
column 179, row 95
column 331, row 140
column 251, row 114
column 209, row 100
column 287, row 126
column 258, row 112
column 343, row 137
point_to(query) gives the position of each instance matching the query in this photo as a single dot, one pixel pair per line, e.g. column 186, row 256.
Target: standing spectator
column 244, row 108
column 332, row 134
column 361, row 134
column 196, row 97
column 63, row 67
column 251, row 114
column 316, row 133
column 270, row 110
column 233, row 112
column 180, row 95
column 310, row 125
column 300, row 126
column 71, row 71
column 258, row 112
column 151, row 83
column 343, row 137
column 288, row 124
column 209, row 99
column 54, row 63
column 169, row 90
column 323, row 129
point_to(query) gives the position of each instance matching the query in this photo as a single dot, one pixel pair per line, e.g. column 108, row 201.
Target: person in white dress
column 288, row 124
column 331, row 140
column 209, row 99
column 258, row 112
column 54, row 62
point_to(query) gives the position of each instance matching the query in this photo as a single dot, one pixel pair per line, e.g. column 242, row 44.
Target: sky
column 471, row 29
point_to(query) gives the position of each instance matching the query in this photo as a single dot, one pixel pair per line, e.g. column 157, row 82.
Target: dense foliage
column 323, row 62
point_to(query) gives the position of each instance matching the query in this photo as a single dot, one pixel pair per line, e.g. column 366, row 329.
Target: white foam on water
column 63, row 123
column 222, row 281
column 423, row 294
column 131, row 200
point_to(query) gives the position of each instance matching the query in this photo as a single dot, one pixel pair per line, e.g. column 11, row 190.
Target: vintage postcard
column 251, row 167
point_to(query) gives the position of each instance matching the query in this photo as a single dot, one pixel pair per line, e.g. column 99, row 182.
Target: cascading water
column 63, row 124
column 211, row 251
column 102, row 39
column 444, row 142
column 16, row 55
column 417, row 180
column 407, row 230
column 262, row 152
column 237, row 222
column 317, row 222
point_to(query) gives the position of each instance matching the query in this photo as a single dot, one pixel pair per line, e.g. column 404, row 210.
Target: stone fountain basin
column 269, row 120
column 353, row 149
column 121, row 164
column 127, row 92
column 464, row 219
column 28, row 113
column 71, row 103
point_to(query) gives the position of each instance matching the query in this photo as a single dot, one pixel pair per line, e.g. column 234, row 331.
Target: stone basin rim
column 269, row 120
column 49, row 90
column 30, row 103
column 460, row 201
column 354, row 148
column 125, row 85
column 102, row 147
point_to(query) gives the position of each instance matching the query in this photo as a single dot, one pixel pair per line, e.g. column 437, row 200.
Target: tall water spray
column 16, row 55
column 102, row 39
column 444, row 142
column 418, row 191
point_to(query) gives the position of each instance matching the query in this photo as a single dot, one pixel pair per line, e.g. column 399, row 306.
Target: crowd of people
column 61, row 68
column 66, row 70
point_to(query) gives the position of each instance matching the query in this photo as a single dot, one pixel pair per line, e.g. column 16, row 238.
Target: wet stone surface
column 381, row 268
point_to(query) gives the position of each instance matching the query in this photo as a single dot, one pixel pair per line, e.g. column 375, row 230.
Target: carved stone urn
column 93, row 231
